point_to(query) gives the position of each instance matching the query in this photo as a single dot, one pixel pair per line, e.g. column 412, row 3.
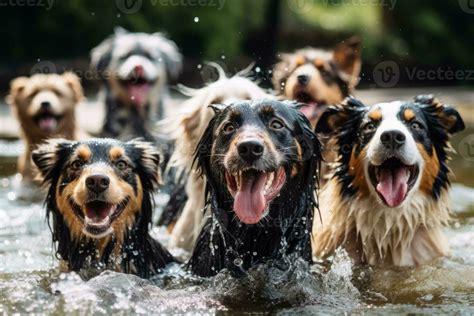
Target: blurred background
column 418, row 35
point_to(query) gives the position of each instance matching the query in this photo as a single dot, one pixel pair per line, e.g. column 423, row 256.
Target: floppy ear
column 74, row 83
column 102, row 54
column 336, row 116
column 16, row 87
column 347, row 58
column 280, row 72
column 170, row 53
column 447, row 116
column 149, row 160
column 47, row 157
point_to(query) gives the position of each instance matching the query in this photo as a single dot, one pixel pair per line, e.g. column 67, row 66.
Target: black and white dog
column 134, row 68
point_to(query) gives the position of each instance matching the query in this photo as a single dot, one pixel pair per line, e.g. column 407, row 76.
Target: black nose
column 97, row 183
column 250, row 150
column 303, row 79
column 45, row 104
column 392, row 139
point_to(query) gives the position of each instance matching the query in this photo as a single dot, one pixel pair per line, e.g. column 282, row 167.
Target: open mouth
column 138, row 89
column 393, row 180
column 313, row 107
column 253, row 190
column 47, row 121
column 99, row 216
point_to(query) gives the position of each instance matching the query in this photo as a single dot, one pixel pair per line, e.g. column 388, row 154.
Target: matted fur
column 354, row 216
column 187, row 129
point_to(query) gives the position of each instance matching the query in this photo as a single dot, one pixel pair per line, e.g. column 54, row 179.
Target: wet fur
column 184, row 214
column 355, row 219
column 223, row 239
column 129, row 248
column 67, row 91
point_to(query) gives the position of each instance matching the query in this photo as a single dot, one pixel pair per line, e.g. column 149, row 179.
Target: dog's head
column 45, row 103
column 133, row 63
column 98, row 187
column 318, row 77
column 254, row 152
column 392, row 150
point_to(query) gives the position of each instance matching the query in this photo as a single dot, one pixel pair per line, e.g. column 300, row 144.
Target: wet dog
column 135, row 68
column 44, row 105
column 318, row 77
column 188, row 129
column 260, row 161
column 100, row 201
column 388, row 199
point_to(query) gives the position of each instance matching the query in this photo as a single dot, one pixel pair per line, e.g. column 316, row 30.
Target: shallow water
column 31, row 283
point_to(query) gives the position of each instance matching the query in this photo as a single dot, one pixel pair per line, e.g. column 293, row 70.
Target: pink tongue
column 310, row 110
column 393, row 185
column 48, row 124
column 249, row 202
column 138, row 93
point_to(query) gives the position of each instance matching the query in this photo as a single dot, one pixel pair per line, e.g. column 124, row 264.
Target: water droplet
column 196, row 19
column 257, row 69
column 254, row 253
column 223, row 57
column 199, row 66
column 238, row 262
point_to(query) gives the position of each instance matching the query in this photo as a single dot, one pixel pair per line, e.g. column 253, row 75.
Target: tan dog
column 44, row 105
column 387, row 201
column 318, row 77
column 188, row 129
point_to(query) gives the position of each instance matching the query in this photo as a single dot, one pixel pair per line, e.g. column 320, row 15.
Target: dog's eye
column 76, row 164
column 415, row 126
column 229, row 128
column 276, row 124
column 369, row 127
column 121, row 164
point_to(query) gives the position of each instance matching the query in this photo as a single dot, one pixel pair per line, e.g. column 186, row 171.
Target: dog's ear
column 47, row 157
column 447, row 116
column 16, row 87
column 217, row 107
column 280, row 72
column 74, row 82
column 336, row 116
column 170, row 54
column 149, row 158
column 101, row 55
column 348, row 58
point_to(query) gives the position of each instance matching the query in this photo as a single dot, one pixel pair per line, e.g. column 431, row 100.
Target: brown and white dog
column 44, row 105
column 135, row 69
column 188, row 129
column 318, row 77
column 387, row 201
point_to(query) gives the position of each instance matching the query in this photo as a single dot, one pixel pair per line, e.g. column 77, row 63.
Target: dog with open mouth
column 184, row 218
column 100, row 199
column 44, row 105
column 134, row 69
column 260, row 161
column 387, row 201
column 317, row 77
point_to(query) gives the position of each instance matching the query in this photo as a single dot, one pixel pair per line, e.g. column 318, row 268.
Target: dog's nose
column 97, row 182
column 303, row 79
column 250, row 150
column 45, row 105
column 392, row 139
